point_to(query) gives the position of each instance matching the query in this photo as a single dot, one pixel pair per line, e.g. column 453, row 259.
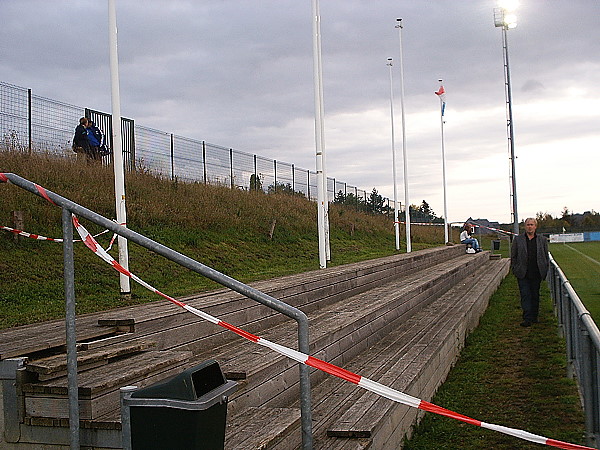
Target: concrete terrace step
column 414, row 358
column 99, row 388
column 337, row 332
column 351, row 308
column 56, row 366
column 171, row 327
column 340, row 332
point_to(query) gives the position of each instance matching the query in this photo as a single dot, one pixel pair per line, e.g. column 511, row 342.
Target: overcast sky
column 238, row 73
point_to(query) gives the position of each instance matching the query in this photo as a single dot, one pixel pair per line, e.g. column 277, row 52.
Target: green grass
column 580, row 262
column 506, row 375
column 226, row 229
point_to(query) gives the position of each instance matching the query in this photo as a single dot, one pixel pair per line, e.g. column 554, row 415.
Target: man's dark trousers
column 530, row 298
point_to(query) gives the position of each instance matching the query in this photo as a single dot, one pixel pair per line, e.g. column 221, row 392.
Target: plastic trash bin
column 495, row 245
column 187, row 411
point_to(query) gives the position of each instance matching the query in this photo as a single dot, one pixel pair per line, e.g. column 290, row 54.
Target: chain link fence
column 36, row 124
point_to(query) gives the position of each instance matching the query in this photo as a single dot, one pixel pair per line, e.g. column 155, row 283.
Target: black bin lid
column 190, row 384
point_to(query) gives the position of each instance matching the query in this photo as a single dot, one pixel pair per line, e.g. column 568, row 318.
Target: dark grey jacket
column 518, row 255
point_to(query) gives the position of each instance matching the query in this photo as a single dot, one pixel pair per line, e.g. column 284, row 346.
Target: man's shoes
column 526, row 323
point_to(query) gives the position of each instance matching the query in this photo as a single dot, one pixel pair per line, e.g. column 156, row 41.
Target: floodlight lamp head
column 510, row 21
column 508, row 5
column 504, row 19
column 399, row 23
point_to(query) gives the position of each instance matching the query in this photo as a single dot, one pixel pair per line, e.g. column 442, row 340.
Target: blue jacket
column 94, row 136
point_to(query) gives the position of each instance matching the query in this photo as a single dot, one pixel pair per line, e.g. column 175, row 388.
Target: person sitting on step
column 466, row 238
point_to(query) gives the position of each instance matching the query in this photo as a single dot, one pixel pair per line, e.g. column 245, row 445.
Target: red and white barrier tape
column 324, row 366
column 424, row 223
column 44, row 238
column 497, row 230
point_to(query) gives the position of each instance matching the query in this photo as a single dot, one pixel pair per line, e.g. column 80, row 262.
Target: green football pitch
column 580, row 262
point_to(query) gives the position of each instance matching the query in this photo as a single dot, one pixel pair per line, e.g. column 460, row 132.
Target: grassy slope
column 220, row 227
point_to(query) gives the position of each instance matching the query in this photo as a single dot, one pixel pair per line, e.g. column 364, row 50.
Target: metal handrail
column 583, row 347
column 69, row 207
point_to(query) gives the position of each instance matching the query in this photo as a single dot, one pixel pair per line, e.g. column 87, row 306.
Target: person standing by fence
column 81, row 144
column 94, row 136
column 529, row 261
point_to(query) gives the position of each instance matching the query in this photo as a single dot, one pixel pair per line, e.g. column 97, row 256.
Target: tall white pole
column 396, row 223
column 322, row 115
column 441, row 94
column 117, row 143
column 320, row 148
column 404, row 156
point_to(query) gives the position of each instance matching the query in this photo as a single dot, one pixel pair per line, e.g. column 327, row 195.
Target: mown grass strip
column 506, row 375
column 582, row 273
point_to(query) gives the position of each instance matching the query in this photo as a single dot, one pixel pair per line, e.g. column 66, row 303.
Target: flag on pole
column 441, row 93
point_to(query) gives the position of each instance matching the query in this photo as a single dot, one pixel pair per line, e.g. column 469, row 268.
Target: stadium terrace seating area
column 400, row 320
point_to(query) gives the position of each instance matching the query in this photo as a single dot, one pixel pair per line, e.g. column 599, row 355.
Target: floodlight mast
column 505, row 19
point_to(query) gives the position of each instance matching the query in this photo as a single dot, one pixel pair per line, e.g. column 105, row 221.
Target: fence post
column 308, row 183
column 172, row 158
column 29, row 118
column 256, row 183
column 275, row 174
column 71, row 333
column 586, row 381
column 231, row 165
column 204, row 159
column 293, row 179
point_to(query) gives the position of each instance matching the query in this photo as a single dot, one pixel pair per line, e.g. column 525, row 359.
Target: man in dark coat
column 529, row 262
column 80, row 140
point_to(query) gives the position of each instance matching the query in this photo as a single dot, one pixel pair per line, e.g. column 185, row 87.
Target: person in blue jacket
column 94, row 136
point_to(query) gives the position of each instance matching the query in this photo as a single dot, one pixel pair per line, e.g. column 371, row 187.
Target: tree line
column 374, row 203
column 569, row 221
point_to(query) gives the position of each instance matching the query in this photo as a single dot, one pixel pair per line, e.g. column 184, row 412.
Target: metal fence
column 583, row 347
column 33, row 123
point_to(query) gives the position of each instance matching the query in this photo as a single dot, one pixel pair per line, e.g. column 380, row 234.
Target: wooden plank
column 260, row 428
column 101, row 406
column 85, row 359
column 364, row 418
column 111, row 376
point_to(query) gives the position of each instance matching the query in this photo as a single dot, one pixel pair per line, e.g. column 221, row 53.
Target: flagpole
column 442, row 95
column 396, row 223
column 404, row 158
